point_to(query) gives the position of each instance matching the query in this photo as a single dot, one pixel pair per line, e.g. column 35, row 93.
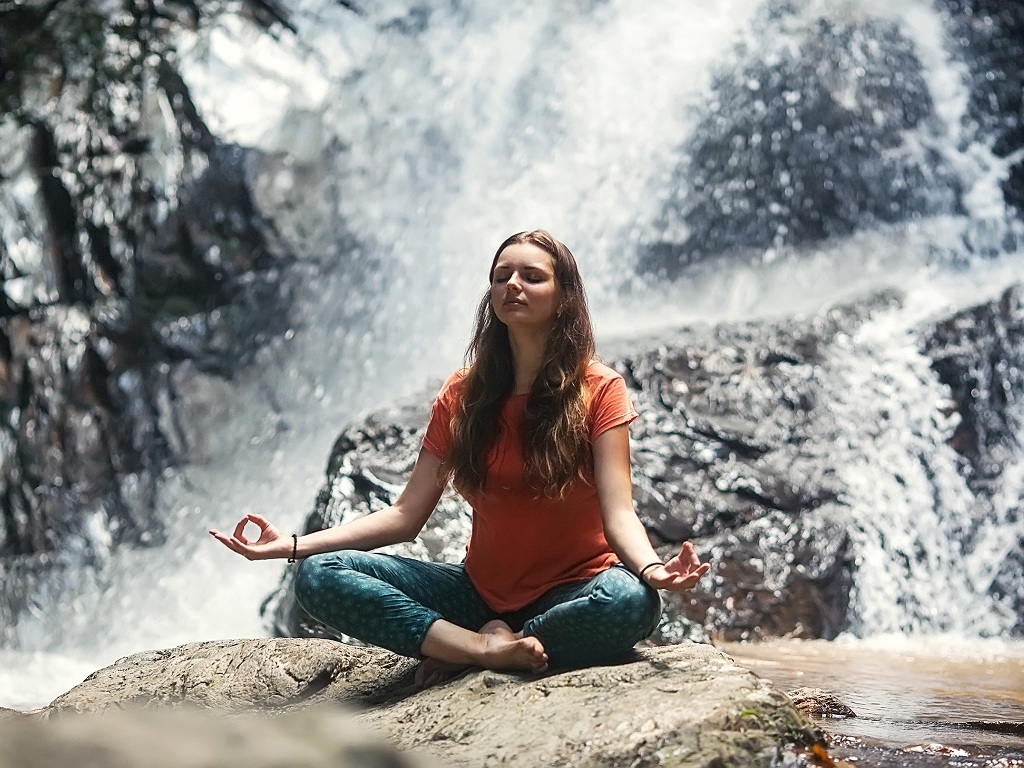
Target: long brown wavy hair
column 555, row 434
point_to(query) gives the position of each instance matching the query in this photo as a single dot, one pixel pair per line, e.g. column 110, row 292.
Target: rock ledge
column 683, row 705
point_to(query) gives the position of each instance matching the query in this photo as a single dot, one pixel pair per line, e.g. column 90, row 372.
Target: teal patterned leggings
column 391, row 602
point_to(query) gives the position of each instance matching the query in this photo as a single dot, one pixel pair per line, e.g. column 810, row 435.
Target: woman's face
column 524, row 292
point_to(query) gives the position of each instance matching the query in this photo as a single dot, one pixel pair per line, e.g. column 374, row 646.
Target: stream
column 933, row 701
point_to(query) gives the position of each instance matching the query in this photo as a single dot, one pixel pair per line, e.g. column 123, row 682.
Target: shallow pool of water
column 919, row 702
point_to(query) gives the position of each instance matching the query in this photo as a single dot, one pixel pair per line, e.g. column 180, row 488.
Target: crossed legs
column 431, row 610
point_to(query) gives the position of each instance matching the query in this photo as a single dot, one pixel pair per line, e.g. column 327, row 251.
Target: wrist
column 642, row 574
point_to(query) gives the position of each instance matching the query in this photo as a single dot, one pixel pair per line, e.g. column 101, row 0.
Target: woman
column 558, row 569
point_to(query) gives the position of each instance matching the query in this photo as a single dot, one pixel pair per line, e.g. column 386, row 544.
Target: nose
column 513, row 282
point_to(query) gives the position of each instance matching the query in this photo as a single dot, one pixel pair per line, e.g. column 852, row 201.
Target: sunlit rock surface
column 326, row 738
column 689, row 705
column 236, row 675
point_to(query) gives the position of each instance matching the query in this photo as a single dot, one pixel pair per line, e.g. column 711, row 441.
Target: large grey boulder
column 685, row 705
column 238, row 675
column 324, row 738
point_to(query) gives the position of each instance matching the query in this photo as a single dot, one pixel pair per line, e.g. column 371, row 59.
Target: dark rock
column 990, row 37
column 776, row 576
column 818, row 704
column 114, row 276
column 803, row 138
column 979, row 355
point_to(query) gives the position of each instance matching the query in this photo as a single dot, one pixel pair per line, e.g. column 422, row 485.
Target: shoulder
column 598, row 376
column 609, row 403
column 453, row 382
column 603, row 384
column 450, row 392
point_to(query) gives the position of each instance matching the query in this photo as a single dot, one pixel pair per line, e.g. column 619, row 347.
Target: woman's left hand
column 680, row 573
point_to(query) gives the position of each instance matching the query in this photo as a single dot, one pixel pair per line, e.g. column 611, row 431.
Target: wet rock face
column 979, row 355
column 990, row 34
column 721, row 456
column 809, row 134
column 803, row 140
column 131, row 244
column 62, row 401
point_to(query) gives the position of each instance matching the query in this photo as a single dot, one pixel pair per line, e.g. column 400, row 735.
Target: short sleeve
column 610, row 405
column 437, row 440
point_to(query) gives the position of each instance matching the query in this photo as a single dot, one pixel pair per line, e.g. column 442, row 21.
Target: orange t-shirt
column 522, row 544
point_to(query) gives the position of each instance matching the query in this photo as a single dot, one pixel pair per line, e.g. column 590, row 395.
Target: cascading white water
column 909, row 507
column 400, row 150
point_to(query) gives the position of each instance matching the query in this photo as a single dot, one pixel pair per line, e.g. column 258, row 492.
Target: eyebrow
column 526, row 267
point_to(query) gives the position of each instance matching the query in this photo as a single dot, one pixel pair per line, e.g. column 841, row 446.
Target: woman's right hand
column 270, row 544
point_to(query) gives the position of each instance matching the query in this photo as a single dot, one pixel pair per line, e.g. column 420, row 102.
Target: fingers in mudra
column 682, row 572
column 242, row 544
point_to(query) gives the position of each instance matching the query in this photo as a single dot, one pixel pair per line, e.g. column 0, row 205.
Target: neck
column 527, row 356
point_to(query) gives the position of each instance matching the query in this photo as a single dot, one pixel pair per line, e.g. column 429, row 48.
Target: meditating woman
column 534, row 435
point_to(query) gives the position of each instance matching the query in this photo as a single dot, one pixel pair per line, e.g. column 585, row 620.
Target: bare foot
column 500, row 628
column 432, row 672
column 505, row 649
column 498, row 648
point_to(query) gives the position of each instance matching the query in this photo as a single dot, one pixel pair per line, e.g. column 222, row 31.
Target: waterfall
column 399, row 146
column 911, row 512
column 461, row 126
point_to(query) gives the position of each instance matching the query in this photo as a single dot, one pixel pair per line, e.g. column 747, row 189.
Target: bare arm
column 402, row 521
column 625, row 533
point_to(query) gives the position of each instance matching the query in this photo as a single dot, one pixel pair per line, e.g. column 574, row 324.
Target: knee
column 317, row 572
column 308, row 578
column 633, row 603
